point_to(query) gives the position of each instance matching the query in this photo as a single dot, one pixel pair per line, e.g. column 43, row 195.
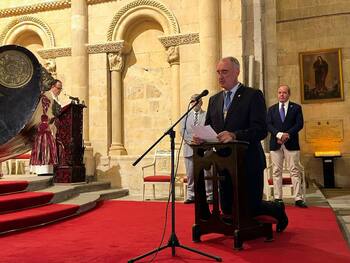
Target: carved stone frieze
column 137, row 4
column 29, row 9
column 179, row 39
column 93, row 2
column 106, row 47
column 116, row 61
column 55, row 52
column 42, row 7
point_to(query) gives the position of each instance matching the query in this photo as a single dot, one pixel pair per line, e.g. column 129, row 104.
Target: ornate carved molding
column 48, row 6
column 108, row 47
column 93, row 2
column 29, row 9
column 116, row 61
column 179, row 39
column 55, row 52
column 33, row 20
column 137, row 4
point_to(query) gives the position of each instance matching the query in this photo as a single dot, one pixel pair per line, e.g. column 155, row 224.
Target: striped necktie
column 195, row 122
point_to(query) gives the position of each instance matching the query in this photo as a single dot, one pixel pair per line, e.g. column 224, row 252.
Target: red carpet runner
column 120, row 230
column 24, row 200
column 21, row 210
column 12, row 186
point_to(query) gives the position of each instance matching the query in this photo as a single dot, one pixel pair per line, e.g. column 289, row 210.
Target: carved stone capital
column 55, row 52
column 116, row 61
column 173, row 55
column 50, row 65
column 179, row 39
column 109, row 47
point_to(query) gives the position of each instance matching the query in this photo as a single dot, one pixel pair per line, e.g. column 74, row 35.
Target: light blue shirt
column 233, row 92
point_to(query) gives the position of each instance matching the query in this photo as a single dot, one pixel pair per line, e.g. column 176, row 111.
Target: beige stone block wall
column 231, row 29
column 147, row 94
column 320, row 28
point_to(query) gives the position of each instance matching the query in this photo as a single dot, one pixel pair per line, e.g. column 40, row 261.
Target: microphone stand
column 173, row 240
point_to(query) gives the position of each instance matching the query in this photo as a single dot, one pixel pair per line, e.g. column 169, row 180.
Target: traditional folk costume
column 44, row 152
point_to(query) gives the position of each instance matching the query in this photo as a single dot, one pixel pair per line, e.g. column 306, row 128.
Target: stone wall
column 157, row 81
column 308, row 26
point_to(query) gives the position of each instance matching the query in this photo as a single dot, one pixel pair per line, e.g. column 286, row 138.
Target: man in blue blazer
column 239, row 113
column 284, row 121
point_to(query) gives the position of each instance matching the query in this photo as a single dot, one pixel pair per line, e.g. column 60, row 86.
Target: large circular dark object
column 20, row 74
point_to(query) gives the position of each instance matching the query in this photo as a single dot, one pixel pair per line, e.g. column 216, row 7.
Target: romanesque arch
column 24, row 24
column 128, row 20
column 142, row 8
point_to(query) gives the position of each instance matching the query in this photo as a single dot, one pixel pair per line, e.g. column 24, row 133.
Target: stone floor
column 338, row 199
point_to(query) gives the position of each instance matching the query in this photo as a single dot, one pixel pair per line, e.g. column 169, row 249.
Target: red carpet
column 12, row 186
column 35, row 216
column 18, row 201
column 120, row 230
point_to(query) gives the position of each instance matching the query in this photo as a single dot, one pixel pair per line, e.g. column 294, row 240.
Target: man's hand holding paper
column 204, row 134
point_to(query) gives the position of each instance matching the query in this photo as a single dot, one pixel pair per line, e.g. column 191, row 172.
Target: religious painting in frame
column 321, row 76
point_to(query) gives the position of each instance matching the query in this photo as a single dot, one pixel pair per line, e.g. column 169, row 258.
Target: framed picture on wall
column 321, row 76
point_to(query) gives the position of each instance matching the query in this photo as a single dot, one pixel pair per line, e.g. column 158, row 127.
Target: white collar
column 285, row 104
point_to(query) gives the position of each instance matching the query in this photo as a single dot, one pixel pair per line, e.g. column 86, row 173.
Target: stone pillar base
column 117, row 149
column 89, row 159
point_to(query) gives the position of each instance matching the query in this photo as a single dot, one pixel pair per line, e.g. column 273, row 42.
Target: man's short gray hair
column 234, row 62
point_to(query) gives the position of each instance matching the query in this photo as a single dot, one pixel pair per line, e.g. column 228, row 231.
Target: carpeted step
column 35, row 217
column 7, row 186
column 24, row 200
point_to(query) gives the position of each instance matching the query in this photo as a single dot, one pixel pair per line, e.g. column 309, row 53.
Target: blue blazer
column 292, row 124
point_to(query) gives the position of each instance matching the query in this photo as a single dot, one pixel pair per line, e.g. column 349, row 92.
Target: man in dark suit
column 284, row 121
column 239, row 113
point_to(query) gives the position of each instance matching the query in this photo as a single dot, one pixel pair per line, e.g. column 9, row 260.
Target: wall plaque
column 321, row 130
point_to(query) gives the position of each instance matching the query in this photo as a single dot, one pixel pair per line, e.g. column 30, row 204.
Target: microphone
column 204, row 93
column 76, row 99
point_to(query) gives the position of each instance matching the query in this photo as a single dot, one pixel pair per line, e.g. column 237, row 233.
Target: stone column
column 173, row 60
column 116, row 65
column 80, row 67
column 209, row 44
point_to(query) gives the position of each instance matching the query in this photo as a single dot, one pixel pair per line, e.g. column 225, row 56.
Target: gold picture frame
column 321, row 78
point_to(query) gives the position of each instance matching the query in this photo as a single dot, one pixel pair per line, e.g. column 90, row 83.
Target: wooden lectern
column 70, row 147
column 229, row 157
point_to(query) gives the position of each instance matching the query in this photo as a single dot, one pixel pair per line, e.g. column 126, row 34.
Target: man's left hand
column 226, row 136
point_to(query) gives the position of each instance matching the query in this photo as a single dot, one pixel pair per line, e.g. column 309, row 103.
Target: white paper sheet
column 205, row 133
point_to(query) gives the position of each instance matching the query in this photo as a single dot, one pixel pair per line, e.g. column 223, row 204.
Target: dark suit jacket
column 246, row 117
column 292, row 124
